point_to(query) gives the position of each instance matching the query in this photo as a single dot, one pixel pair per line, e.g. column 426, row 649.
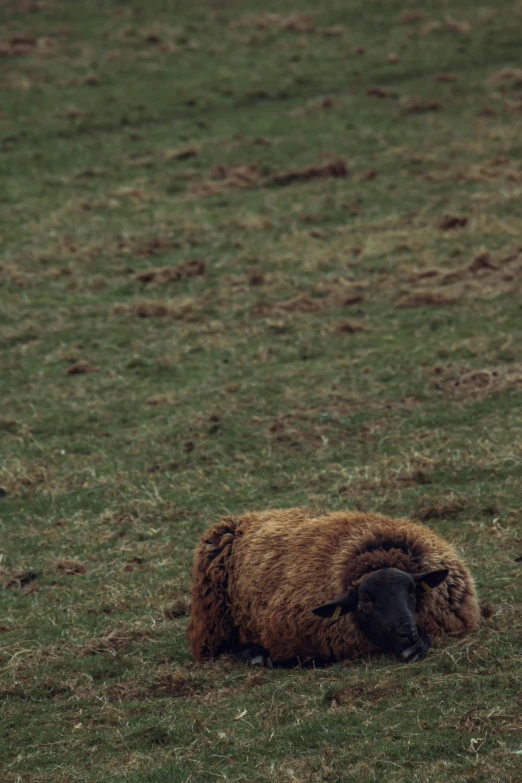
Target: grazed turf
column 253, row 254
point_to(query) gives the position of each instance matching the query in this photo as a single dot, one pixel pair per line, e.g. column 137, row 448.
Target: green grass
column 341, row 349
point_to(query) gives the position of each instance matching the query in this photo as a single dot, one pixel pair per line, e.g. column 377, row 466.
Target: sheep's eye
column 365, row 605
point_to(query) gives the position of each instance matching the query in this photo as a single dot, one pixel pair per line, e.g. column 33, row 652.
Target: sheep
column 289, row 586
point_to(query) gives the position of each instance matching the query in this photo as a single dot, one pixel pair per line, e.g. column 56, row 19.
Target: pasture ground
column 253, row 254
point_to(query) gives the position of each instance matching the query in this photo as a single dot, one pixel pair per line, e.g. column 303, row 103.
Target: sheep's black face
column 385, row 605
column 386, row 609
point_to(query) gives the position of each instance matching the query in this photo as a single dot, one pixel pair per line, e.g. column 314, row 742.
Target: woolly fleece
column 257, row 578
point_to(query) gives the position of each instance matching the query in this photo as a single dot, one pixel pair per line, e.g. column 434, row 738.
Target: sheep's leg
column 418, row 650
column 254, row 655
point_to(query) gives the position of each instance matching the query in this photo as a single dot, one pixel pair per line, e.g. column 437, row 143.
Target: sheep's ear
column 426, row 582
column 339, row 606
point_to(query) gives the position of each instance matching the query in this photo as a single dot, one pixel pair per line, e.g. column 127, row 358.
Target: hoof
column 261, row 660
column 255, row 655
column 418, row 650
column 413, row 654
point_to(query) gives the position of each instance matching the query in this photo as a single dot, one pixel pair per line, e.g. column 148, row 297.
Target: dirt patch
column 161, row 399
column 19, row 45
column 146, row 309
column 22, row 578
column 12, row 274
column 245, row 176
column 251, row 176
column 7, row 628
column 444, row 77
column 487, row 610
column 352, row 299
column 356, row 696
column 164, row 274
column 184, row 153
column 178, row 683
column 91, row 80
column 152, row 308
column 336, row 168
column 70, row 567
column 506, row 77
column 324, row 298
column 379, row 92
column 481, row 276
column 476, row 384
column 437, row 508
column 206, row 189
column 296, row 22
column 298, row 432
column 302, row 303
column 425, row 299
column 179, row 608
column 223, row 176
column 349, row 327
column 481, row 266
column 256, row 277
column 8, row 425
column 457, row 25
column 155, row 245
column 323, row 104
column 413, row 104
column 411, row 17
column 81, row 368
column 449, row 222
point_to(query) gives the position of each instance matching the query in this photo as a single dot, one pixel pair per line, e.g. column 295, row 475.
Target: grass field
column 253, row 254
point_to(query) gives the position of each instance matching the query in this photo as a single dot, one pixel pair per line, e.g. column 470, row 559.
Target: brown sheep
column 260, row 583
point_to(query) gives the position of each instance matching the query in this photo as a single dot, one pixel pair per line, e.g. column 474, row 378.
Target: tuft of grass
column 252, row 255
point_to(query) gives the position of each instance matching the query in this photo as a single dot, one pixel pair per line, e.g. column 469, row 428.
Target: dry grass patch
column 354, row 698
column 116, row 641
column 19, row 477
column 172, row 684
